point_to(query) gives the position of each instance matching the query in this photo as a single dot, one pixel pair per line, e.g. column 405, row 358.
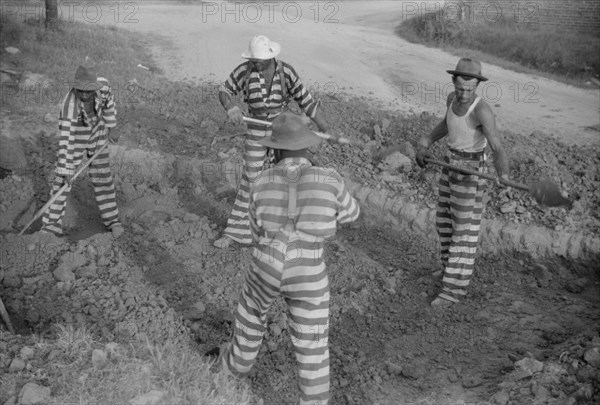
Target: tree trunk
column 51, row 13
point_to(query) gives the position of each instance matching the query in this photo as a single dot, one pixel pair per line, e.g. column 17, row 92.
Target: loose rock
column 150, row 398
column 32, row 394
column 27, row 352
column 592, row 356
column 16, row 365
column 99, row 358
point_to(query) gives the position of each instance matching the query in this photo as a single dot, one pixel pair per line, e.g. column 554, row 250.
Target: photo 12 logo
column 87, row 11
column 270, row 11
column 491, row 91
column 472, row 11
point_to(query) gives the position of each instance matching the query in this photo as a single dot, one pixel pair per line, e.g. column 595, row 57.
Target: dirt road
column 350, row 47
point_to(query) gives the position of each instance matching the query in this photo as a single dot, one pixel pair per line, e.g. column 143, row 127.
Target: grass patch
column 570, row 56
column 57, row 52
column 173, row 368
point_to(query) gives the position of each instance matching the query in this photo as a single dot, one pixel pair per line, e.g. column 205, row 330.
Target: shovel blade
column 548, row 194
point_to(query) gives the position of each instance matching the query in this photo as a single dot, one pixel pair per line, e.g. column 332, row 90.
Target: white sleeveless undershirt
column 461, row 135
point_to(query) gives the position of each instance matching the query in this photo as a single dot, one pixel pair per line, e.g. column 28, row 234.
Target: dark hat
column 86, row 79
column 289, row 132
column 468, row 67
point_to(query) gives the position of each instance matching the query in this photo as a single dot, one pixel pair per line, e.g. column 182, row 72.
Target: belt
column 467, row 155
column 292, row 236
column 266, row 110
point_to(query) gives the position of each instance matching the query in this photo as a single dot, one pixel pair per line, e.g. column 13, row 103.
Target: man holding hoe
column 86, row 118
column 267, row 83
column 469, row 126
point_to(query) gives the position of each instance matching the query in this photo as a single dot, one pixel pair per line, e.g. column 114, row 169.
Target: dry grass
column 569, row 56
column 57, row 52
column 173, row 367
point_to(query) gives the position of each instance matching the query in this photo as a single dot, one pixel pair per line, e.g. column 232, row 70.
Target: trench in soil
column 387, row 344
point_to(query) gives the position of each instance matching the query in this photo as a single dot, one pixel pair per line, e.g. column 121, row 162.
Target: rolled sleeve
column 66, row 147
column 301, row 95
column 235, row 82
column 107, row 99
column 348, row 209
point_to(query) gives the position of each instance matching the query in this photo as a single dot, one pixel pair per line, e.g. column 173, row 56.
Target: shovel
column 62, row 189
column 340, row 139
column 545, row 193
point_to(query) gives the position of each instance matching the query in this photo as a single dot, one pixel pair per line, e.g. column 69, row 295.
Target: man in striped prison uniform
column 87, row 115
column 470, row 126
column 266, row 83
column 294, row 207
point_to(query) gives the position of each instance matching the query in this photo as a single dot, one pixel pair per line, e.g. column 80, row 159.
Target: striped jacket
column 322, row 200
column 256, row 96
column 78, row 131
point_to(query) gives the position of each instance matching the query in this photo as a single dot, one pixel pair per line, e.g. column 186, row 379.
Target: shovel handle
column 62, row 189
column 5, row 317
column 506, row 182
column 341, row 140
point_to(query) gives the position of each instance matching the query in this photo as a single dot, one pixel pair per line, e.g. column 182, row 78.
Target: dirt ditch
column 527, row 334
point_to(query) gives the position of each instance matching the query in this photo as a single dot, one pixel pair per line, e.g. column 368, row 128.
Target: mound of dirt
column 17, row 205
column 49, row 281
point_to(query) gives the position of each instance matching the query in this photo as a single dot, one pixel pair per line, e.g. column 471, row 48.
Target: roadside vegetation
column 77, row 365
column 565, row 56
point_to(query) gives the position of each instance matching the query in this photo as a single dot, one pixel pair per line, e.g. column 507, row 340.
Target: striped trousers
column 101, row 177
column 238, row 225
column 295, row 271
column 458, row 220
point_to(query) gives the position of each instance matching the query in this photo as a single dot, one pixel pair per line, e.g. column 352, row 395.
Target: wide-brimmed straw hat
column 86, row 79
column 289, row 132
column 468, row 67
column 261, row 47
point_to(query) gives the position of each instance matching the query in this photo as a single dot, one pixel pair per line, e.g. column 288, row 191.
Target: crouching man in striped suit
column 86, row 117
column 294, row 207
column 469, row 126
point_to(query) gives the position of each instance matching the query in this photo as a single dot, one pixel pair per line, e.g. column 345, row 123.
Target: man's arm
column 440, row 131
column 109, row 112
column 320, row 121
column 230, row 88
column 66, row 141
column 486, row 118
column 348, row 208
column 255, row 228
column 226, row 100
column 305, row 100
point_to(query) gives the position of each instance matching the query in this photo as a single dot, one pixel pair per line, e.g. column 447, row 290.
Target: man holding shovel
column 86, row 117
column 267, row 83
column 293, row 208
column 469, row 126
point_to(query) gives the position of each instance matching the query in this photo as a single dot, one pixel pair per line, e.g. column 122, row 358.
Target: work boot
column 440, row 302
column 117, row 230
column 223, row 242
column 46, row 231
